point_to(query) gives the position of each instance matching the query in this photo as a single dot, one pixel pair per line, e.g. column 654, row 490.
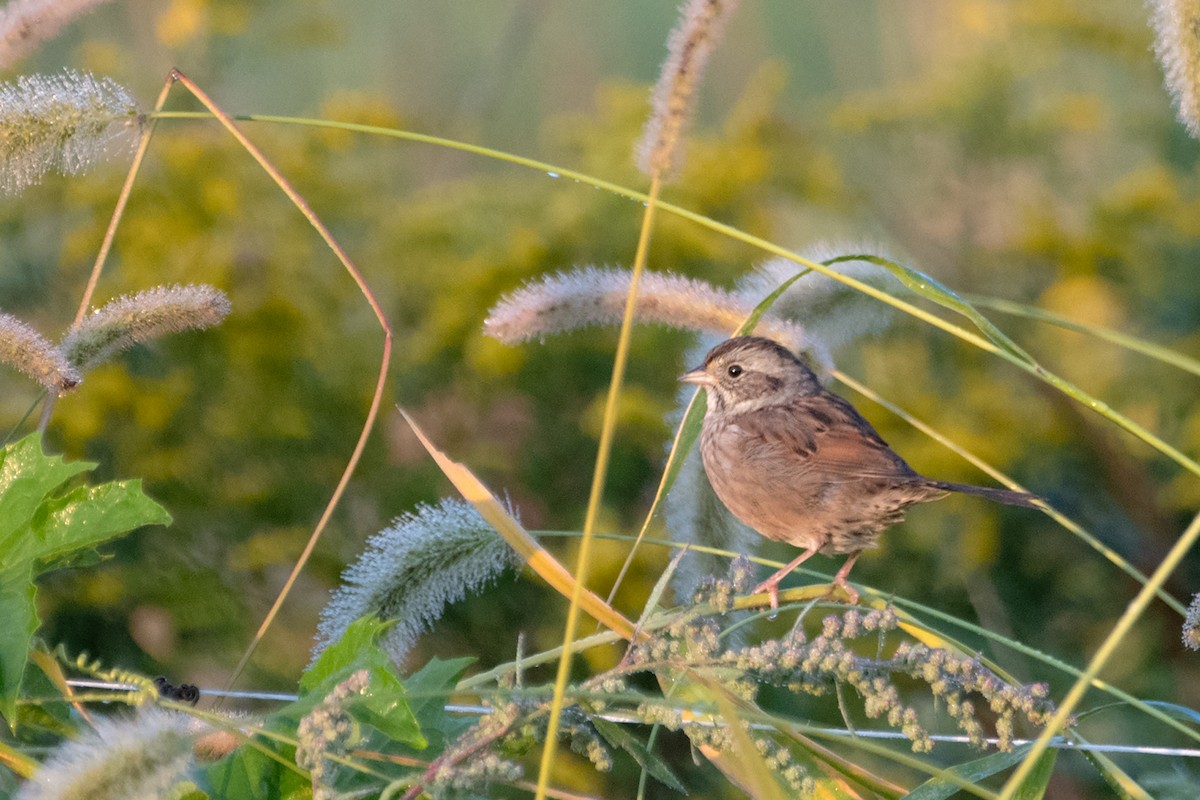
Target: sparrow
column 798, row 464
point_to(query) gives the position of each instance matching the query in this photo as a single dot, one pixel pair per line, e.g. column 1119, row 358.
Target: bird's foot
column 839, row 580
column 771, row 587
column 848, row 590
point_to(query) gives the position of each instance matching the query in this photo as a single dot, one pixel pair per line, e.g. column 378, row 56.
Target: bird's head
column 749, row 372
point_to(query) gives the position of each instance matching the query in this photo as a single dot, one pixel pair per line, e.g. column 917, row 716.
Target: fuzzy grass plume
column 1191, row 625
column 139, row 318
column 590, row 296
column 65, row 122
column 132, row 758
column 25, row 24
column 412, row 570
column 1176, row 26
column 26, row 350
column 659, row 151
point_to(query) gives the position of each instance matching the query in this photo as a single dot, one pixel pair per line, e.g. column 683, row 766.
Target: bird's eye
column 735, row 370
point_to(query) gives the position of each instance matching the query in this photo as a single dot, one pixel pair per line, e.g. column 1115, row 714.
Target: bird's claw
column 850, row 592
column 772, row 590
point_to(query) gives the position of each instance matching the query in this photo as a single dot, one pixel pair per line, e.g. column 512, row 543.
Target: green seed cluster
column 327, row 731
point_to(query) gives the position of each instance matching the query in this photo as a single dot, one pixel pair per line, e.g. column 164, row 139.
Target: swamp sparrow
column 798, row 464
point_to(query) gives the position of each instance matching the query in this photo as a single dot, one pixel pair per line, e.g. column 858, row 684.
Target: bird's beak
column 698, row 376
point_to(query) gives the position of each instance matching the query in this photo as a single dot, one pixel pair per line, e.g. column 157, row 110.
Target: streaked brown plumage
column 798, row 464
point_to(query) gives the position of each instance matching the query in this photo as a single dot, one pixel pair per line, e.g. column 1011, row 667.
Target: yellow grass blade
column 537, row 557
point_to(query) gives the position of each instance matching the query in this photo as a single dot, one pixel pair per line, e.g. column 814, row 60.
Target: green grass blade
column 1133, row 343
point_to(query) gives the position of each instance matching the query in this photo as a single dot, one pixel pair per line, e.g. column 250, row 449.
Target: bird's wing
column 824, row 433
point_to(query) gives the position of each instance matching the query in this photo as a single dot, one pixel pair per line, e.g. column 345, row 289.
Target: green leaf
column 428, row 691
column 756, row 315
column 339, row 657
column 249, row 774
column 743, row 763
column 27, row 476
column 18, row 623
column 434, row 682
column 39, row 527
column 384, row 706
column 91, row 515
column 1136, row 344
column 384, row 703
column 617, row 736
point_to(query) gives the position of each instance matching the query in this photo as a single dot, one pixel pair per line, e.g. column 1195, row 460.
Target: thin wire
column 704, row 720
column 280, row 697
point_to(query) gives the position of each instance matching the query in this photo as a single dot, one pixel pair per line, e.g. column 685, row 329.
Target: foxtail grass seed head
column 1176, row 26
column 129, row 758
column 412, row 570
column 834, row 658
column 65, row 122
column 135, row 319
column 659, row 153
column 26, row 350
column 25, row 24
column 1191, row 625
column 589, row 296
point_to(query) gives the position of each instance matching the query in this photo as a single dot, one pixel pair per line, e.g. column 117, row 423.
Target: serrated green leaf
column 617, row 736
column 91, row 515
column 53, row 718
column 39, row 527
column 27, row 477
column 337, row 659
column 428, row 690
column 384, row 706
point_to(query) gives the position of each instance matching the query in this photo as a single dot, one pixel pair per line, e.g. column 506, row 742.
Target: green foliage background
column 1024, row 150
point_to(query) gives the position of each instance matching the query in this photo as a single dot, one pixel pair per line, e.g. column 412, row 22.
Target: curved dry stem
column 1033, row 368
column 110, row 232
column 380, row 381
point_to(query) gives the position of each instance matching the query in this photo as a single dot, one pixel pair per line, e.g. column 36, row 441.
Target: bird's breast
column 763, row 490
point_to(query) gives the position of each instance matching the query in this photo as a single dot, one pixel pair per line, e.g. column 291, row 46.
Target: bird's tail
column 999, row 495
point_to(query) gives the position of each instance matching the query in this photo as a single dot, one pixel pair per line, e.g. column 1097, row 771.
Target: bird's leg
column 771, row 584
column 840, row 578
